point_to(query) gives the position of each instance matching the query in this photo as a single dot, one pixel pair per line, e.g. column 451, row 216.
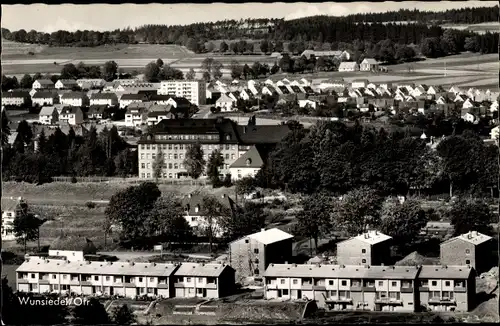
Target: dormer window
column 197, row 208
column 228, row 137
column 248, row 161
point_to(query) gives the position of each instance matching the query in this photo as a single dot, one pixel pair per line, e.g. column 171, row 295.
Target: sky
column 102, row 17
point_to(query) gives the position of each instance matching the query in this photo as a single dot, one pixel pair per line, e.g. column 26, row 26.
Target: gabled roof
column 47, row 82
column 44, row 95
column 47, row 110
column 74, row 95
column 270, row 236
column 224, row 99
column 134, row 97
column 68, row 81
column 16, row 94
column 70, row 110
column 251, row 159
column 97, row 109
column 104, row 96
column 445, row 272
column 201, row 270
column 370, row 61
column 181, row 101
column 12, row 137
column 195, row 200
column 348, row 64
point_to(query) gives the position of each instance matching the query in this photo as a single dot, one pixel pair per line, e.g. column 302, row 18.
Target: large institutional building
column 173, row 137
column 194, row 91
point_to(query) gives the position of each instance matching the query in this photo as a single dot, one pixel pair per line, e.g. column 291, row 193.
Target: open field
column 482, row 28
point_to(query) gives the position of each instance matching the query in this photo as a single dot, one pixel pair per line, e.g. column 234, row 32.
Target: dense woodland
column 318, row 32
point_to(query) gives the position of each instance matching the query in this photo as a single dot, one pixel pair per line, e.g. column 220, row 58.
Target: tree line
column 333, row 157
column 58, row 154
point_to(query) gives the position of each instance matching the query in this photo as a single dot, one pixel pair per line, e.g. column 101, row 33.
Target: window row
column 168, row 166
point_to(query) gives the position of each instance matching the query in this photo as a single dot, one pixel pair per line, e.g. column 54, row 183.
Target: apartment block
column 472, row 248
column 194, row 91
column 369, row 248
column 61, row 276
column 447, row 288
column 374, row 288
column 251, row 255
column 203, row 280
column 174, row 136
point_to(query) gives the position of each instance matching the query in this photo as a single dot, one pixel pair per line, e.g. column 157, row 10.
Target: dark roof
column 14, row 94
column 262, row 134
column 45, row 82
column 191, row 201
column 97, row 109
column 74, row 95
column 156, row 114
column 158, row 97
column 181, row 101
column 138, row 97
column 69, row 110
column 103, row 96
column 284, row 89
column 44, row 95
column 251, row 159
column 308, row 89
column 296, row 89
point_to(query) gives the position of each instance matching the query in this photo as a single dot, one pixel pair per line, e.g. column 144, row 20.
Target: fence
column 133, row 180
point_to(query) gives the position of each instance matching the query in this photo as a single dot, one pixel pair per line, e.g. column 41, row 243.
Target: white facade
column 242, row 172
column 72, row 101
column 73, row 118
column 70, row 255
column 8, row 217
column 103, row 101
column 194, row 91
column 43, row 101
column 135, row 118
column 200, row 223
column 304, row 103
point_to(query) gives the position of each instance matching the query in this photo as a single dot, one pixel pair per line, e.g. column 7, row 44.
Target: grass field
column 492, row 27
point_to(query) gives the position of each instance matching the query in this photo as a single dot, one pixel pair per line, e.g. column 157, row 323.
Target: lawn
column 9, row 271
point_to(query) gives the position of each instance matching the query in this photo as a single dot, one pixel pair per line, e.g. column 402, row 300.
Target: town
column 313, row 185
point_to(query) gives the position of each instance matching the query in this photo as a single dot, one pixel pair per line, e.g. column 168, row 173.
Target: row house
column 127, row 99
column 48, row 115
column 374, row 288
column 75, row 99
column 66, row 84
column 160, row 99
column 371, row 247
column 108, row 99
column 472, row 248
column 15, row 98
column 98, row 112
column 200, row 280
column 71, row 115
column 348, row 66
column 359, row 83
column 43, row 84
column 341, row 55
column 173, row 136
column 41, row 98
column 91, row 83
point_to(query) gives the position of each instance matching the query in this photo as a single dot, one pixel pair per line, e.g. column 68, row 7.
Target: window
column 54, row 276
column 285, row 291
column 394, row 284
column 107, row 278
column 363, row 251
column 256, row 260
column 295, row 281
column 344, row 282
column 467, row 262
column 96, row 278
column 143, row 165
column 65, row 276
column 395, row 295
column 232, row 156
column 380, row 283
column 447, row 283
column 467, row 251
column 175, row 156
column 188, row 279
column 256, row 271
column 282, row 281
column 176, row 166
column 330, row 282
column 151, row 279
column 227, row 156
column 246, row 241
column 434, row 283
column 143, row 175
column 459, row 284
column 142, row 156
column 363, row 261
column 170, row 165
column 149, row 175
column 153, row 156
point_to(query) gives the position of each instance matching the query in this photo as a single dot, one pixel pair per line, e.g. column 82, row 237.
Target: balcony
column 162, row 286
column 22, row 281
column 320, row 287
column 85, row 283
column 460, row 289
column 338, row 300
column 74, row 282
column 356, row 288
column 389, row 301
column 407, row 290
column 211, row 286
column 179, row 285
column 128, row 285
column 307, row 286
column 368, row 288
column 43, row 281
column 423, row 288
column 442, row 301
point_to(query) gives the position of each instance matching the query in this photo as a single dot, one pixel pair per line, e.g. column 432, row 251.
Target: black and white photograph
column 250, row 163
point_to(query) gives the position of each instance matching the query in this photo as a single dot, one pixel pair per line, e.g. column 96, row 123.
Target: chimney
column 294, row 265
column 262, row 230
column 376, row 232
column 382, row 264
column 190, row 195
column 474, row 233
column 132, row 263
column 223, row 196
column 244, row 130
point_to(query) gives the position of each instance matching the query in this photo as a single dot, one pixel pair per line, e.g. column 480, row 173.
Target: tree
column 278, row 46
column 151, row 72
column 191, row 74
column 26, row 81
column 215, row 161
column 431, row 47
column 5, row 128
column 264, row 46
column 126, row 207
column 275, row 68
column 110, row 70
column 158, row 164
column 123, row 315
column 169, row 73
column 358, row 210
column 223, row 47
column 286, row 63
column 214, row 213
column 470, row 215
column 69, row 71
column 236, row 69
column 245, row 185
column 159, row 62
column 315, row 218
column 26, row 224
column 246, row 71
column 247, row 220
column 210, row 47
column 256, row 69
column 193, row 45
column 403, row 221
column 194, row 161
column 92, row 313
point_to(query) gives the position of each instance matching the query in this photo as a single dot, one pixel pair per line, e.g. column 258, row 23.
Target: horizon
column 103, row 17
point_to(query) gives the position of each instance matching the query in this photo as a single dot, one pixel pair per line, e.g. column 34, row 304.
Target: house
column 369, row 248
column 359, row 83
column 91, row 83
column 108, row 99
column 127, row 279
column 135, row 117
column 16, row 98
column 368, row 64
column 72, row 248
column 48, row 115
column 225, row 103
column 447, row 288
column 71, row 115
column 8, row 215
column 494, row 133
column 246, row 95
column 75, row 99
column 234, row 95
column 66, row 84
column 98, row 112
column 494, row 106
column 211, row 281
column 127, row 99
column 345, row 287
column 248, row 164
column 308, row 103
column 158, row 113
column 455, row 90
column 42, row 84
column 472, row 248
column 434, row 90
column 341, row 55
column 469, row 117
column 159, row 99
column 348, row 66
column 41, row 98
column 460, row 98
column 469, row 104
column 195, row 213
column 252, row 254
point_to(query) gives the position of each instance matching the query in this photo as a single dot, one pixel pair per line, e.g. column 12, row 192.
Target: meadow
column 482, row 28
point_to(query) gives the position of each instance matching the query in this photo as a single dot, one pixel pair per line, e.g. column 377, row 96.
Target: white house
column 495, row 132
column 72, row 115
column 469, row 117
column 15, row 98
column 43, row 84
column 468, row 104
column 44, row 98
column 460, row 98
column 48, row 115
column 66, row 84
column 108, row 99
column 75, row 99
column 245, row 94
column 348, row 66
column 359, row 83
column 455, row 90
column 91, row 83
column 225, row 103
column 368, row 64
column 135, row 117
column 304, row 103
column 8, row 216
column 247, row 165
column 494, row 106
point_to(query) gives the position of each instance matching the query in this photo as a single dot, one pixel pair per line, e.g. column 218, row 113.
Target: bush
column 73, row 179
column 90, row 205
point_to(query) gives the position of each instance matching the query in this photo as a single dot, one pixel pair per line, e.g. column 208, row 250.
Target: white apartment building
column 71, row 115
column 8, row 216
column 194, row 91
